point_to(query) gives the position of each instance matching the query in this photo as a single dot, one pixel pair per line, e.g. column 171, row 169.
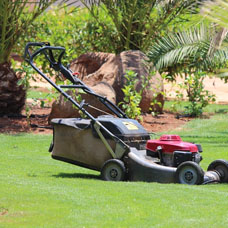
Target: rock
column 137, row 61
column 63, row 108
column 112, row 70
column 104, row 73
column 89, row 63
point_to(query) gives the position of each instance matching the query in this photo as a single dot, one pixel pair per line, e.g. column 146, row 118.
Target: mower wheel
column 113, row 170
column 221, row 166
column 189, row 173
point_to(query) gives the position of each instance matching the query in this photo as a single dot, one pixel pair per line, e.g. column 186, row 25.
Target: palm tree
column 216, row 11
column 15, row 17
column 190, row 50
column 135, row 23
column 190, row 54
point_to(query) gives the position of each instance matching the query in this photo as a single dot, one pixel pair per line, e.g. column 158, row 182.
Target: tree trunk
column 12, row 96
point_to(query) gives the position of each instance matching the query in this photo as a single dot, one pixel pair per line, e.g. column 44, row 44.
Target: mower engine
column 172, row 151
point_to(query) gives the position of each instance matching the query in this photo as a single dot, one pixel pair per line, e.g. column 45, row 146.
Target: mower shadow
column 78, row 175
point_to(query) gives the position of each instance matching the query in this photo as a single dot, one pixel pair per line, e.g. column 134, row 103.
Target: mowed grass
column 37, row 191
column 211, row 108
column 35, row 94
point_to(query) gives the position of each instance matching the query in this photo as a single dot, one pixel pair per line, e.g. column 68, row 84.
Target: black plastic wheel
column 113, row 170
column 221, row 166
column 189, row 173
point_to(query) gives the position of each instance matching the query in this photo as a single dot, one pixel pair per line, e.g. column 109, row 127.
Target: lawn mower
column 119, row 147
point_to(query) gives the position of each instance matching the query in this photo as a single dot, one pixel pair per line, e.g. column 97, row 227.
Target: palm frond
column 187, row 49
column 138, row 22
column 178, row 48
column 216, row 11
column 15, row 17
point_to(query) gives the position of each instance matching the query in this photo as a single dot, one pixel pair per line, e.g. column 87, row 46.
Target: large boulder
column 104, row 73
column 89, row 63
column 62, row 108
column 112, row 70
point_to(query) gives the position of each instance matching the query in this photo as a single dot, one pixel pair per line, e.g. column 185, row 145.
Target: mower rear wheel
column 113, row 170
column 221, row 166
column 189, row 173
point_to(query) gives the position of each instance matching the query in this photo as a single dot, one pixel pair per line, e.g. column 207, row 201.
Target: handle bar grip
column 32, row 44
column 44, row 46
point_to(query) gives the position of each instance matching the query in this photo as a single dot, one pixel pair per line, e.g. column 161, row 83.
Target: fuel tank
column 171, row 143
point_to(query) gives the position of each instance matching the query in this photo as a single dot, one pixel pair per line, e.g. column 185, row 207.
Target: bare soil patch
column 163, row 122
column 38, row 122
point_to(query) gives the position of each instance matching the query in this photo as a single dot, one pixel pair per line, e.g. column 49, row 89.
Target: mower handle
column 44, row 47
column 67, row 73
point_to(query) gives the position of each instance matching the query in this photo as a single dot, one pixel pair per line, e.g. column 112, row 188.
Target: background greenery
column 179, row 107
column 181, row 47
column 71, row 28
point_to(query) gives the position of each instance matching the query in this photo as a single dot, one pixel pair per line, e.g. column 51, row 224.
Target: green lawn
column 36, row 191
column 211, row 108
column 35, row 94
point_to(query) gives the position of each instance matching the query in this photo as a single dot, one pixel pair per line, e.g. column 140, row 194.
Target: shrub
column 190, row 55
column 74, row 29
column 132, row 98
column 198, row 96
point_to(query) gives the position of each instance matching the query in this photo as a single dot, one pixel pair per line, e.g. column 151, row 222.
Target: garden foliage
column 15, row 18
column 116, row 26
column 73, row 29
column 137, row 23
column 190, row 55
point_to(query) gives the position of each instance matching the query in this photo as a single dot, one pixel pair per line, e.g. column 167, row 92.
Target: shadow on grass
column 222, row 111
column 78, row 175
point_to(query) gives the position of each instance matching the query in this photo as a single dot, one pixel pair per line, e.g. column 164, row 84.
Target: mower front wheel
column 221, row 166
column 113, row 170
column 189, row 173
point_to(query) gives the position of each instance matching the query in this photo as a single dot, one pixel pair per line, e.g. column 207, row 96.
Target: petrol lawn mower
column 119, row 147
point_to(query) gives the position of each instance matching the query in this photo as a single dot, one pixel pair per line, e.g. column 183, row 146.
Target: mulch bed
column 38, row 122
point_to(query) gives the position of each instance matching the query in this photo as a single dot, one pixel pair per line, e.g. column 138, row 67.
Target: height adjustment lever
column 75, row 74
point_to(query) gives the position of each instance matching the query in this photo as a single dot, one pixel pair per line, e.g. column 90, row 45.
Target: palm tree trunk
column 12, row 95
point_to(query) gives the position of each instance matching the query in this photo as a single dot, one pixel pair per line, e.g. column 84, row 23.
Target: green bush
column 198, row 96
column 74, row 29
column 132, row 98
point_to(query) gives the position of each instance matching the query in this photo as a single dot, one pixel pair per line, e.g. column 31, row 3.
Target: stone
column 112, row 70
column 63, row 108
column 104, row 73
column 89, row 63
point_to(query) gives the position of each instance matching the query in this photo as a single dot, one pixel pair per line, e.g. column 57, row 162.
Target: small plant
column 197, row 96
column 132, row 98
column 153, row 104
column 26, row 74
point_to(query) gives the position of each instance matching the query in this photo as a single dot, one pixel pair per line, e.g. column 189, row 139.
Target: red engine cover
column 171, row 143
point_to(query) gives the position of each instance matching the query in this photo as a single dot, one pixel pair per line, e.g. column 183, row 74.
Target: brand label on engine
column 130, row 126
